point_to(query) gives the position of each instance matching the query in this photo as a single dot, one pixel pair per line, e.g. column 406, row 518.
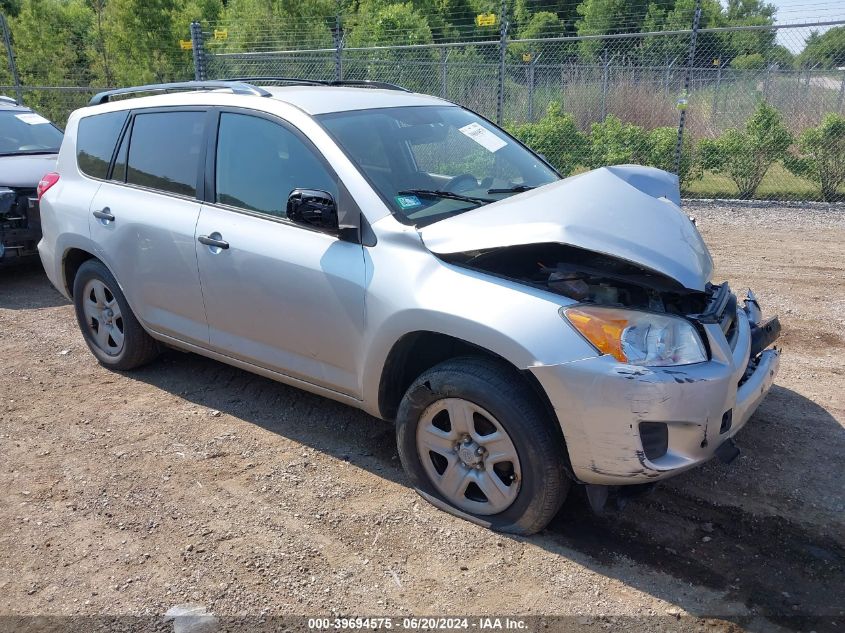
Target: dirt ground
column 192, row 482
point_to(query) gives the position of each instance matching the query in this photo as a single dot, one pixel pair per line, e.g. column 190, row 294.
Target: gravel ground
column 192, row 482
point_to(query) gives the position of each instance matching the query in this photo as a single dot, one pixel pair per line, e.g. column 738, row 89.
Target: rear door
column 278, row 295
column 143, row 220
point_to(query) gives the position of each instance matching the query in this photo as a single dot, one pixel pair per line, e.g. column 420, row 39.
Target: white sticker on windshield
column 483, row 137
column 31, row 118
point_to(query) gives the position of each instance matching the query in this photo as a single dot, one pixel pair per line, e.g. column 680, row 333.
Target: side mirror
column 313, row 208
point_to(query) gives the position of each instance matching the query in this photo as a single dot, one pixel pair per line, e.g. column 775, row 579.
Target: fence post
column 338, row 46
column 531, row 85
column 690, row 61
column 13, row 67
column 716, row 89
column 503, row 49
column 767, row 82
column 605, row 80
column 198, row 50
column 444, row 72
column 841, row 93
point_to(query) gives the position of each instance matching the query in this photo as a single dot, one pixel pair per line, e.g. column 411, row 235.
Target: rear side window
column 95, row 141
column 164, row 151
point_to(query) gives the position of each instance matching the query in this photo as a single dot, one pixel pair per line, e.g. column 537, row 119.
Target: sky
column 805, row 11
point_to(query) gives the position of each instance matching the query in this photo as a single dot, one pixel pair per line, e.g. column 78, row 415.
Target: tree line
column 118, row 42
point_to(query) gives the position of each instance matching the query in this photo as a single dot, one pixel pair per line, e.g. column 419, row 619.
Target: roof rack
column 237, row 87
column 360, row 83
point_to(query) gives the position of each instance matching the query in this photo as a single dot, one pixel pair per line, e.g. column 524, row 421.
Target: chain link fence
column 759, row 125
column 753, row 126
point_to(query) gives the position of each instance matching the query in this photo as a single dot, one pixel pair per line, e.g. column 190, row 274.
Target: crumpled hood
column 25, row 170
column 626, row 211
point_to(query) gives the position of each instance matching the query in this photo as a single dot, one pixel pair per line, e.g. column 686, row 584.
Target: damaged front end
column 633, row 418
column 680, row 366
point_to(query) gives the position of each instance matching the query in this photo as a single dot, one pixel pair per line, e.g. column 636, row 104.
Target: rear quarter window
column 95, row 140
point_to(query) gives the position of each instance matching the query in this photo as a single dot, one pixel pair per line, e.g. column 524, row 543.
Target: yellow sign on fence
column 221, row 34
column 485, row 19
column 185, row 45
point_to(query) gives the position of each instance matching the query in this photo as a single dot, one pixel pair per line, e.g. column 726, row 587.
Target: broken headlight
column 638, row 338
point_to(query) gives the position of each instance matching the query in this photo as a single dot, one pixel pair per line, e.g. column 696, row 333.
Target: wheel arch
column 71, row 262
column 415, row 352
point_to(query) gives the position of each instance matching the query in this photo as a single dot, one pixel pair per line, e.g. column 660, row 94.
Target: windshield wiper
column 514, row 189
column 436, row 193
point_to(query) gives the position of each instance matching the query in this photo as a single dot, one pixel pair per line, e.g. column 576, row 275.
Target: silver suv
column 404, row 255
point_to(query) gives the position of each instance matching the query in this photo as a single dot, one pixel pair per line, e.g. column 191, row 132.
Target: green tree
column 51, row 39
column 384, row 24
column 556, row 137
column 10, row 8
column 821, row 156
column 660, row 153
column 753, row 61
column 826, row 50
column 276, row 25
column 613, row 142
column 678, row 17
column 542, row 24
column 142, row 37
column 609, row 17
column 746, row 155
column 781, row 56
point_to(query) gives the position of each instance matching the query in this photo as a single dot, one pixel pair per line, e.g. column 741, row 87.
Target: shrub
column 661, row 153
column 746, row 155
column 749, row 61
column 556, row 137
column 613, row 142
column 821, row 156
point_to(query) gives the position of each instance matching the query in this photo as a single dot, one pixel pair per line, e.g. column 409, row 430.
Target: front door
column 278, row 295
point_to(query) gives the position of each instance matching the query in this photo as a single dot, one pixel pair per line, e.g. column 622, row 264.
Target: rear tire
column 109, row 327
column 471, row 433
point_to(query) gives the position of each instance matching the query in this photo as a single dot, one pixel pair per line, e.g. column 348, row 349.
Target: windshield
column 431, row 162
column 23, row 132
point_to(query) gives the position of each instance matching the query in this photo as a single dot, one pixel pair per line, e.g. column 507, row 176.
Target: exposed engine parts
column 20, row 225
column 586, row 276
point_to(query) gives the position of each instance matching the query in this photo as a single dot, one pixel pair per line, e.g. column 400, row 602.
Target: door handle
column 104, row 214
column 210, row 241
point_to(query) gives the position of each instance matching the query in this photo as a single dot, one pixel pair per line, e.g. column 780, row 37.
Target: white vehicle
column 403, row 255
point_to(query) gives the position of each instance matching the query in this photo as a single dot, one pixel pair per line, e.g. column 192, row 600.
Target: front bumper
column 601, row 403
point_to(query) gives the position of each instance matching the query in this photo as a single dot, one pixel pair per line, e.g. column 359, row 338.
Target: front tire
column 471, row 433
column 109, row 327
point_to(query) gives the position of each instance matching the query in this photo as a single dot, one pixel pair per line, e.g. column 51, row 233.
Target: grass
column 778, row 184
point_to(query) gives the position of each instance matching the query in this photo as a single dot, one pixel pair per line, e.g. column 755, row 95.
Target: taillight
column 47, row 181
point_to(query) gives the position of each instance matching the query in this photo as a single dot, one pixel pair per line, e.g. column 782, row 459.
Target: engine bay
column 586, row 276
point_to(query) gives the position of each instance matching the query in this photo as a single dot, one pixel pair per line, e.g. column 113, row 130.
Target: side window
column 95, row 139
column 164, row 151
column 260, row 162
